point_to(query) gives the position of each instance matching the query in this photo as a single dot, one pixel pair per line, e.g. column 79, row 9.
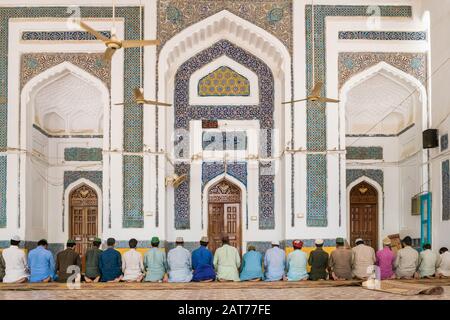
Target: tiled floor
column 346, row 293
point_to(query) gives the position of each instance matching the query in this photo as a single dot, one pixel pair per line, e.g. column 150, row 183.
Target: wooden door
column 224, row 214
column 232, row 225
column 83, row 217
column 364, row 214
column 215, row 225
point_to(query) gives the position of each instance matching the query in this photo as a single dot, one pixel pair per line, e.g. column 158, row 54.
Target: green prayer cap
column 96, row 239
column 71, row 241
column 155, row 240
column 339, row 240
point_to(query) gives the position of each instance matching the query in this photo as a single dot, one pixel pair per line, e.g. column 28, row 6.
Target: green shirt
column 92, row 257
column 155, row 264
column 318, row 260
column 227, row 262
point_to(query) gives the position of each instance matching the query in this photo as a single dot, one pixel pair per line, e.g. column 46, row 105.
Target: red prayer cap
column 298, row 244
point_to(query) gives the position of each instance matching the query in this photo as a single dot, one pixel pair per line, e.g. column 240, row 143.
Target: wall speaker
column 430, row 139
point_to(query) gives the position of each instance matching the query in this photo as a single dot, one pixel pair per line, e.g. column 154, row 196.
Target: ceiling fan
column 113, row 44
column 139, row 99
column 176, row 180
column 315, row 92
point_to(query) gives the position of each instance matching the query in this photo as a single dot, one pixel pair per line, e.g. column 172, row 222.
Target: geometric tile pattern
column 95, row 177
column 210, row 170
column 224, row 81
column 382, row 35
column 374, row 174
column 316, row 112
column 445, row 191
column 33, row 64
column 364, row 153
column 133, row 216
column 83, row 154
column 225, row 140
column 60, row 35
column 133, row 116
column 183, row 113
column 274, row 16
column 412, row 63
column 3, row 181
column 444, row 142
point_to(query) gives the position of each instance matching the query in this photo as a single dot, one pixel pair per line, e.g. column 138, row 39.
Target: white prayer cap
column 359, row 240
column 275, row 243
column 319, row 242
column 179, row 240
column 15, row 238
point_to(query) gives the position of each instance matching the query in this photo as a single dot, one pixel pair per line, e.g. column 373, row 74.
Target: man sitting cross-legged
column 227, row 261
column 132, row 264
column 110, row 263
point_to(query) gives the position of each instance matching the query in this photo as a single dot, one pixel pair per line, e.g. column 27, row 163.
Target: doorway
column 224, row 214
column 83, row 226
column 364, row 214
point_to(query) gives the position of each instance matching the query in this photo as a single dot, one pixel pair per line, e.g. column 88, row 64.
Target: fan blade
column 316, row 89
column 95, row 33
column 139, row 43
column 294, row 101
column 321, row 99
column 123, row 103
column 157, row 103
column 138, row 95
column 108, row 54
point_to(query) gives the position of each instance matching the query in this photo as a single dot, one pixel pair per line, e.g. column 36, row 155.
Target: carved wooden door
column 83, row 217
column 364, row 214
column 224, row 214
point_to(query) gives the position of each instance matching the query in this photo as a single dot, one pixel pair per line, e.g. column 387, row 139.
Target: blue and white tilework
column 383, row 35
column 445, row 190
column 444, row 142
column 60, row 35
column 374, row 174
column 3, row 192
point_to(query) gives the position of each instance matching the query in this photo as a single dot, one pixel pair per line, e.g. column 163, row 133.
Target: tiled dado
column 316, row 114
column 3, row 160
column 133, row 115
column 445, row 190
column 185, row 112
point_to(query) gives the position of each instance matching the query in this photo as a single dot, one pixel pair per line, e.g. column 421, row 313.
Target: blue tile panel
column 133, row 115
column 3, row 182
column 382, row 35
column 374, row 174
column 316, row 112
column 229, row 140
column 445, row 191
column 133, row 213
column 183, row 113
column 364, row 153
column 210, row 170
column 60, row 35
column 444, row 142
column 95, row 177
column 83, row 154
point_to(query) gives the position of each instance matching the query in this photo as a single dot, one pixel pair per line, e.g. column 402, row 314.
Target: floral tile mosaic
column 382, row 35
column 374, row 174
column 3, row 174
column 60, row 35
column 83, row 154
column 364, row 153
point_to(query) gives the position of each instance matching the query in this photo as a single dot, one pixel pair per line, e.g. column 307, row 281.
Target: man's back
column 41, row 264
column 110, row 264
column 296, row 263
column 180, row 267
column 227, row 262
column 341, row 263
column 132, row 265
column 363, row 257
column 318, row 259
column 64, row 259
column 200, row 256
column 444, row 265
column 92, row 259
column 385, row 260
column 156, row 264
column 406, row 262
column 274, row 262
column 15, row 264
column 428, row 262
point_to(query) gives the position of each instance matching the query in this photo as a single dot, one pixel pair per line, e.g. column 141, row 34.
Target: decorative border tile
column 316, row 112
column 352, row 63
column 210, row 170
column 83, row 154
column 382, row 35
column 444, row 142
column 134, row 216
column 374, row 174
column 60, row 35
column 3, row 181
column 364, row 153
column 274, row 16
column 33, row 64
column 445, row 190
column 93, row 176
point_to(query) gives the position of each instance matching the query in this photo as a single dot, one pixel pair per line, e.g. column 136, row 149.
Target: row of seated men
column 180, row 265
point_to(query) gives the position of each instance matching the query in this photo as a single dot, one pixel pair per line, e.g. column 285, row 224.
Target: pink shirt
column 385, row 260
